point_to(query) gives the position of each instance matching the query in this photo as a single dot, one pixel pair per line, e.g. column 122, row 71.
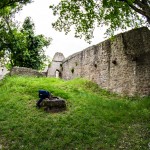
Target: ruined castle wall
column 122, row 69
column 95, row 63
column 137, row 48
column 102, row 64
column 53, row 68
column 121, row 65
column 143, row 74
column 72, row 67
column 25, row 72
column 56, row 65
column 91, row 63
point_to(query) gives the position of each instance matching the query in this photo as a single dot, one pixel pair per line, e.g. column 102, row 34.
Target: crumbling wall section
column 122, row 69
column 25, row 72
column 55, row 65
column 121, row 65
column 143, row 75
column 137, row 48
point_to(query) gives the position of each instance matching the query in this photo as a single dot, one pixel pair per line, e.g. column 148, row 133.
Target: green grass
column 95, row 119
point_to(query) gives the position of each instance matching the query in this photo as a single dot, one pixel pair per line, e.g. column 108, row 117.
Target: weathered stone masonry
column 25, row 72
column 121, row 65
column 55, row 67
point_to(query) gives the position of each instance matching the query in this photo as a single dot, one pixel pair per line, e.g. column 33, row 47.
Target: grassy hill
column 95, row 119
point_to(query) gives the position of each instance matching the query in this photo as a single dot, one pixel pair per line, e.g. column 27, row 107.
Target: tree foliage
column 12, row 3
column 22, row 46
column 84, row 15
column 35, row 56
column 10, row 7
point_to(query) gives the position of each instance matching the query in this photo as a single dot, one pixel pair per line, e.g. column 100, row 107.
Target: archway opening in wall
column 58, row 74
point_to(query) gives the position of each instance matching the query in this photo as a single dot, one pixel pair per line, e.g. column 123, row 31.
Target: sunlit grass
column 95, row 119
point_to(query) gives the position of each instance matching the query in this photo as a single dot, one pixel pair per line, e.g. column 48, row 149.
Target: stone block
column 54, row 104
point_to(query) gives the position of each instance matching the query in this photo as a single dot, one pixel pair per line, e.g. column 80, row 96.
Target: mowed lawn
column 94, row 119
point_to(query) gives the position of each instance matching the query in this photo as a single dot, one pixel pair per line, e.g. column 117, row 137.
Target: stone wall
column 143, row 74
column 25, row 72
column 121, row 65
column 56, row 65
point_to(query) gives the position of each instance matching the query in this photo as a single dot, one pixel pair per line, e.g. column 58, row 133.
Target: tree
column 22, row 47
column 8, row 8
column 35, row 54
column 115, row 14
column 13, row 3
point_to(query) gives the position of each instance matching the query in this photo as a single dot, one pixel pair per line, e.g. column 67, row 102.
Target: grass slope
column 95, row 119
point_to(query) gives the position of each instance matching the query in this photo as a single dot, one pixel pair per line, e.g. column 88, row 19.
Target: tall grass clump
column 94, row 119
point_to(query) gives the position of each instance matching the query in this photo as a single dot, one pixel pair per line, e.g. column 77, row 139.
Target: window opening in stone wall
column 95, row 65
column 114, row 61
column 72, row 70
column 61, row 66
column 76, row 63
